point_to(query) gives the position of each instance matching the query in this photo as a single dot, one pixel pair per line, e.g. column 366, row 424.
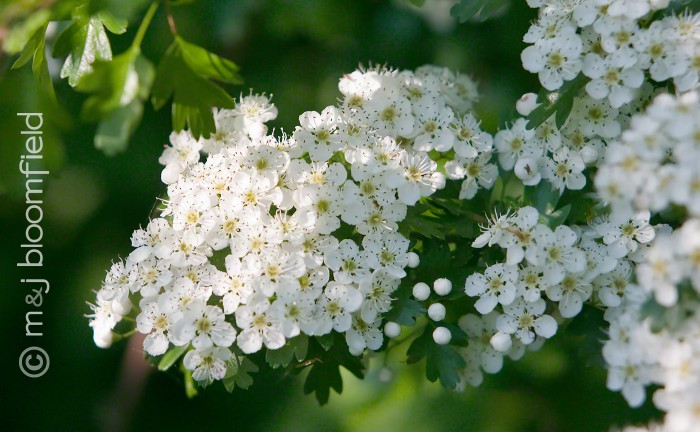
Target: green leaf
column 588, row 332
column 321, row 379
column 326, row 341
column 404, row 310
column 115, row 24
column 190, row 386
column 238, row 373
column 556, row 218
column 417, row 3
column 544, row 197
column 28, row 53
column 465, row 10
column 118, row 89
column 172, row 356
column 324, row 373
column 294, row 348
column 34, row 50
column 209, row 65
column 193, row 95
column 560, row 102
column 84, row 41
column 120, row 10
column 443, row 362
column 115, row 130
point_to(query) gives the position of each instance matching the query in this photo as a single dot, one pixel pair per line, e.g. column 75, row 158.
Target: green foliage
column 183, row 75
column 118, row 88
column 480, row 10
column 324, row 368
column 238, row 373
column 558, row 103
column 544, row 197
column 85, row 41
column 588, row 329
column 443, row 362
column 34, row 50
column 404, row 309
column 295, row 348
column 171, row 357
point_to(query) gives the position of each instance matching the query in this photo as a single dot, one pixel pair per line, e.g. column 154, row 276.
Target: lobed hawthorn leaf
column 120, row 10
column 442, row 362
column 296, row 347
column 465, row 10
column 34, row 50
column 404, row 310
column 183, row 75
column 324, row 373
column 559, row 102
column 238, row 373
column 119, row 88
column 85, row 41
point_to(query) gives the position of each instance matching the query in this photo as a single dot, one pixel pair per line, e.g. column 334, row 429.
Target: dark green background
column 295, row 50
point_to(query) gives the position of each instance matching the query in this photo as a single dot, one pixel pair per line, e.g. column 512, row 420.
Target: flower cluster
column 662, row 347
column 655, row 164
column 269, row 238
column 607, row 47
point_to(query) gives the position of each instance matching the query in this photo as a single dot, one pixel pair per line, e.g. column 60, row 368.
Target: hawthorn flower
column 556, row 253
column 317, row 133
column 526, row 321
column 555, row 60
column 335, row 307
column 259, row 325
column 571, row 292
column 207, row 365
column 496, row 285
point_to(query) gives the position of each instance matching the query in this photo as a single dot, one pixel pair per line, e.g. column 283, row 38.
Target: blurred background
column 297, row 51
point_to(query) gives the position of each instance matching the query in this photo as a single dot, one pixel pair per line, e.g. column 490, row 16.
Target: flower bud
column 437, row 312
column 413, row 260
column 442, row 336
column 526, row 104
column 526, row 169
column 421, row 291
column 392, row 330
column 442, row 286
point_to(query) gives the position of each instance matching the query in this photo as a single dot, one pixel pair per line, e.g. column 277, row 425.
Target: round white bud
column 589, row 154
column 421, row 291
column 526, row 104
column 171, row 173
column 413, row 260
column 442, row 336
column 392, row 330
column 501, row 342
column 526, row 169
column 442, row 286
column 385, row 375
column 437, row 312
column 102, row 336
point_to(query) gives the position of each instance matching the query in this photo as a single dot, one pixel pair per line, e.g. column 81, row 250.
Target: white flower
column 258, row 325
column 496, row 285
column 571, row 292
column 555, row 252
column 207, row 365
column 525, row 320
column 514, row 143
column 564, row 170
column 335, row 307
column 613, row 77
column 555, row 60
column 362, row 335
column 204, row 326
column 317, row 134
